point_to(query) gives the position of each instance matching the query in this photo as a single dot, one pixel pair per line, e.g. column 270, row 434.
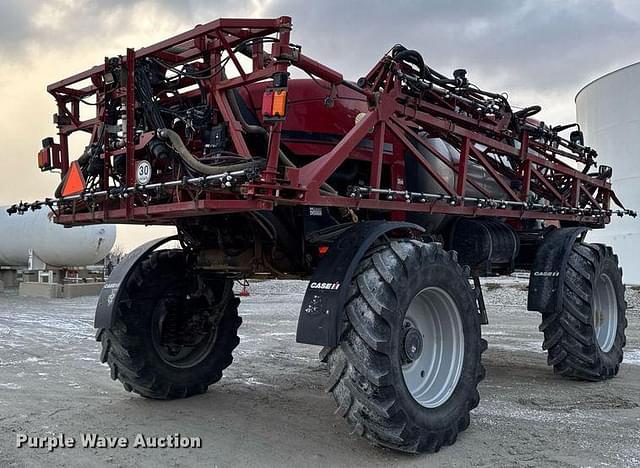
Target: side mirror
column 577, row 137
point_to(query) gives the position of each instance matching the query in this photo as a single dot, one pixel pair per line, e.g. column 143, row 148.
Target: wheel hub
column 412, row 344
column 181, row 341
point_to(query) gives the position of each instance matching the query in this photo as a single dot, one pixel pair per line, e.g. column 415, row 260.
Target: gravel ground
column 270, row 408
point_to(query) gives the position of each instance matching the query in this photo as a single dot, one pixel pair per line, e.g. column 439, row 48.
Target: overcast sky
column 538, row 51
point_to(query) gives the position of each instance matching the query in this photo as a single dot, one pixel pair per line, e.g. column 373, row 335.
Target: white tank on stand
column 608, row 111
column 34, row 235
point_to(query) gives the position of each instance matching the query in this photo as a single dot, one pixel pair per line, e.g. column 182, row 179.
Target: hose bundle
column 194, row 164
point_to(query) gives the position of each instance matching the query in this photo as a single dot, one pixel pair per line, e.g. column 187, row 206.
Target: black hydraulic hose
column 527, row 112
column 193, row 163
column 413, row 57
column 353, row 86
column 144, row 94
column 235, row 108
column 400, row 54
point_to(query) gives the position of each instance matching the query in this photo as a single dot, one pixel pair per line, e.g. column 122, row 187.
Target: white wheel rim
column 605, row 312
column 432, row 376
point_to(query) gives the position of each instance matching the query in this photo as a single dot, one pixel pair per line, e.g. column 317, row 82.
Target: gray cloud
column 15, row 24
column 538, row 44
column 539, row 47
column 79, row 20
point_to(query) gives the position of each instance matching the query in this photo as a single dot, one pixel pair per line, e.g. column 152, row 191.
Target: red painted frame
column 539, row 167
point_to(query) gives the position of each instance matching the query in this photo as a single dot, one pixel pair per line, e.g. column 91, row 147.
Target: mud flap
column 548, row 271
column 110, row 294
column 321, row 315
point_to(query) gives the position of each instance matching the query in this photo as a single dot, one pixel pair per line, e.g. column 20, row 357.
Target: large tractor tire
column 174, row 332
column 406, row 370
column 585, row 336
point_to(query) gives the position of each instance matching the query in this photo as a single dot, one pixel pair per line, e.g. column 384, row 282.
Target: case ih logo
column 329, row 286
column 546, row 273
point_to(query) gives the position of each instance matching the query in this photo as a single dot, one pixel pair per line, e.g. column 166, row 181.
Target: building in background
column 608, row 111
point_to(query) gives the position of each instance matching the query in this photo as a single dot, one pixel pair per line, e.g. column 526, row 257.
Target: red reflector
column 49, row 155
column 323, row 249
column 267, row 103
column 44, row 159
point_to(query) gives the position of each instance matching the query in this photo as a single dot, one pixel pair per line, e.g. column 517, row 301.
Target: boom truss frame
column 518, row 159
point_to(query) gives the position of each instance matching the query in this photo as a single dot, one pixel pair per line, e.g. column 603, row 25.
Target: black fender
column 549, row 268
column 322, row 315
column 112, row 290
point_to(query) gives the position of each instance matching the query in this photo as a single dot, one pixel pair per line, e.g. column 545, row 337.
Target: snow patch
column 534, row 346
column 11, row 386
column 632, row 357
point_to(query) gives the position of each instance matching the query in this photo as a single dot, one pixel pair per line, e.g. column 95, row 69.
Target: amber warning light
column 274, row 104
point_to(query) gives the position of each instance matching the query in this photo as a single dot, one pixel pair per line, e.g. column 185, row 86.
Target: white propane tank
column 52, row 243
column 607, row 111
